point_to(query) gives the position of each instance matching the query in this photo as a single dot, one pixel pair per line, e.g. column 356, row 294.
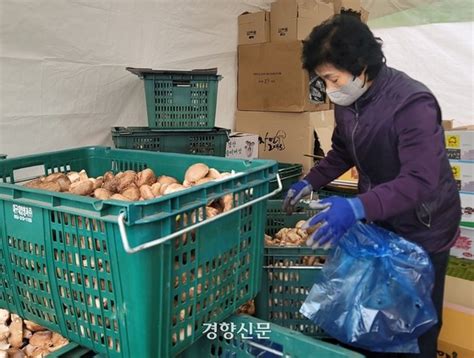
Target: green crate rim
column 207, row 142
column 109, row 210
column 290, row 343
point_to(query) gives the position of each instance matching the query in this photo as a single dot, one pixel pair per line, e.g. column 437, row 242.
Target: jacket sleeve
column 421, row 147
column 336, row 163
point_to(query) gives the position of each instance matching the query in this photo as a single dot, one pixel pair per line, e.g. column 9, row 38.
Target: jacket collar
column 374, row 90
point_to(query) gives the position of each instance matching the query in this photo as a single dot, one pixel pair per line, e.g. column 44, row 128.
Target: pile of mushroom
column 130, row 185
column 21, row 338
column 294, row 237
column 290, row 237
column 247, row 308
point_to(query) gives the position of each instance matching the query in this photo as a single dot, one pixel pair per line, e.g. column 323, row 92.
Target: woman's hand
column 297, row 191
column 338, row 215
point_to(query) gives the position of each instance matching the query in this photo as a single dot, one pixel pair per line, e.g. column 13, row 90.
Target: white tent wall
column 63, row 81
column 440, row 56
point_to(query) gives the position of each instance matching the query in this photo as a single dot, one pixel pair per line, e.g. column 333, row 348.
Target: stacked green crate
column 211, row 142
column 181, row 110
column 286, row 279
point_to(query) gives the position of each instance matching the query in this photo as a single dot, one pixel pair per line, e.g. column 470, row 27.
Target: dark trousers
column 428, row 341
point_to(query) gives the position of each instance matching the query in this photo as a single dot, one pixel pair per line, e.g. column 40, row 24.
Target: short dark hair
column 345, row 42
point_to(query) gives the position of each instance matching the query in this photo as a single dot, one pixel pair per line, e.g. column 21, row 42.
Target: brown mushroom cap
column 83, row 187
column 146, row 192
column 16, row 332
column 83, row 175
column 145, row 177
column 155, row 188
column 119, row 197
column 102, row 194
column 34, row 327
column 164, row 179
column 41, row 339
column 54, row 177
column 58, row 341
column 4, row 316
column 73, row 176
column 195, row 172
column 213, row 173
column 131, row 192
column 163, row 188
column 173, row 188
column 15, row 353
column 204, row 180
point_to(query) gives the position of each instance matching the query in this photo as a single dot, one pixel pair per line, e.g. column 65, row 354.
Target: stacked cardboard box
column 460, row 147
column 455, row 339
column 277, row 99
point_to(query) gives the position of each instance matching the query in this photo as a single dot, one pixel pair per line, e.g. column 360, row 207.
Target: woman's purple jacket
column 393, row 136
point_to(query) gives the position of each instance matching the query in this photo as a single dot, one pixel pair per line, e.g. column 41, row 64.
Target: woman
column 388, row 126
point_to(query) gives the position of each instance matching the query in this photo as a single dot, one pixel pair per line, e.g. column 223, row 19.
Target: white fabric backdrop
column 63, row 82
column 439, row 55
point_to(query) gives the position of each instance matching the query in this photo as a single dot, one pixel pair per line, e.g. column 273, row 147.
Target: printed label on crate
column 22, row 213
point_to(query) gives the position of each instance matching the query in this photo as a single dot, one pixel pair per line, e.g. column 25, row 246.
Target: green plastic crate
column 64, row 263
column 286, row 282
column 289, row 174
column 180, row 100
column 142, row 138
column 461, row 268
column 277, row 219
column 277, row 341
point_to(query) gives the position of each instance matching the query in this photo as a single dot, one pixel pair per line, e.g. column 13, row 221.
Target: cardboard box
column 458, row 291
column 351, row 176
column 254, row 28
column 460, row 144
column 455, row 339
column 467, row 207
column 242, row 146
column 463, row 172
column 364, row 15
column 295, row 19
column 346, row 5
column 287, row 137
column 447, row 124
column 271, row 78
column 464, row 245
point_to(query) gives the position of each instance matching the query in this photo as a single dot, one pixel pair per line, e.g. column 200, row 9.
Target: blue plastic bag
column 374, row 292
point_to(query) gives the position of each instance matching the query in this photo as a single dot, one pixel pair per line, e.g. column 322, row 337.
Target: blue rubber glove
column 297, row 191
column 338, row 215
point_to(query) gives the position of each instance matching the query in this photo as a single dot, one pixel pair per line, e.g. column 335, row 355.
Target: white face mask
column 349, row 93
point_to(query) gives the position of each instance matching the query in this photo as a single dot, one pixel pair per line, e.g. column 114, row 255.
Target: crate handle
column 264, row 348
column 319, row 267
column 181, row 83
column 132, row 250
